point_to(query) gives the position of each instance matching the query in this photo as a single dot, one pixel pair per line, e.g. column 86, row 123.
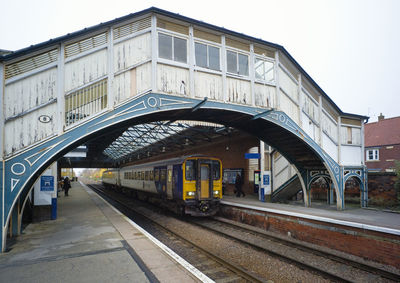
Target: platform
column 91, row 242
column 386, row 222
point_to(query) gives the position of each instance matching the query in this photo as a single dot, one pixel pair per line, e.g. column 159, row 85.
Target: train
column 190, row 185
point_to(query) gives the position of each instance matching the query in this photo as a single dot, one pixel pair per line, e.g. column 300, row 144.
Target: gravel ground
column 237, row 253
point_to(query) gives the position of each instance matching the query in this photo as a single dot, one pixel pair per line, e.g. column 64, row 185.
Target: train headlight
column 216, row 193
column 190, row 194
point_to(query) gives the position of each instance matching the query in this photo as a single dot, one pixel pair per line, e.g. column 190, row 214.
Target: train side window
column 151, row 175
column 142, row 175
column 190, row 170
column 157, row 175
column 146, row 175
column 216, row 172
column 163, row 175
column 169, row 175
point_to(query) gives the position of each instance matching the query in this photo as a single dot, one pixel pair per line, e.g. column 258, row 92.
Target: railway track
column 306, row 256
column 327, row 265
column 207, row 262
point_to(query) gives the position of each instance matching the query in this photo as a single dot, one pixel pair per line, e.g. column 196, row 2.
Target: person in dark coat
column 66, row 186
column 238, row 185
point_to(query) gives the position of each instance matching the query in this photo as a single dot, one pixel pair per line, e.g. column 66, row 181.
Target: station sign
column 47, row 183
column 252, row 156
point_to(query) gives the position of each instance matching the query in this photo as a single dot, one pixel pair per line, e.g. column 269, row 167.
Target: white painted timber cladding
column 129, row 84
column 27, row 130
column 172, row 80
column 351, row 155
column 264, row 95
column 239, row 91
column 330, row 147
column 289, row 107
column 85, row 69
column 287, row 84
column 309, row 127
column 30, row 92
column 208, row 85
column 310, row 107
column 132, row 52
column 329, row 127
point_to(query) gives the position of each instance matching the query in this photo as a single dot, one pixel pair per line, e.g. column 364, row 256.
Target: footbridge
column 158, row 66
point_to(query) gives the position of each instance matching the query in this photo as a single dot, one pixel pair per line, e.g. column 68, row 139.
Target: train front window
column 190, row 170
column 216, row 170
column 157, row 175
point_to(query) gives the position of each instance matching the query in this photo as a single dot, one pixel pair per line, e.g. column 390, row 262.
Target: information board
column 230, row 175
column 47, row 183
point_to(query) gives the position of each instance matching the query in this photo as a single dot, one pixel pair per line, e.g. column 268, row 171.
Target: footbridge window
column 237, row 63
column 172, row 48
column 85, row 102
column 207, row 56
column 264, row 70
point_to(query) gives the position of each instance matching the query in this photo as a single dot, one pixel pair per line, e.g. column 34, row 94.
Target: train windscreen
column 216, row 172
column 190, row 170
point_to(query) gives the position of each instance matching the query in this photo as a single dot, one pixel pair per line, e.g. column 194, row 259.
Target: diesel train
column 191, row 184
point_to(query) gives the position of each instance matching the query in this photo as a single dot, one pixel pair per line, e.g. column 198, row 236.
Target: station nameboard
column 252, row 156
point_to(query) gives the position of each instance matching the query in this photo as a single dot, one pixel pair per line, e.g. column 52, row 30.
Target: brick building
column 382, row 144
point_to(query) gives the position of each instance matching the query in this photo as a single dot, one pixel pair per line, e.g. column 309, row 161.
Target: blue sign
column 252, row 156
column 47, row 183
column 266, row 180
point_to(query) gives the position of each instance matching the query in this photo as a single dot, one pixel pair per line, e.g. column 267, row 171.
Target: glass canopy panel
column 138, row 137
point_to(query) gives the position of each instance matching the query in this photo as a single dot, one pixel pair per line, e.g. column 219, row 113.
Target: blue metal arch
column 20, row 168
column 314, row 177
column 353, row 172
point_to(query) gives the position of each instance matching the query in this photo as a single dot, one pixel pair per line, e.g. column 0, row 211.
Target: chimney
column 381, row 117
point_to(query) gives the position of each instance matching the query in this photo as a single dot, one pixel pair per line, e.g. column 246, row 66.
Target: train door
column 177, row 182
column 204, row 180
column 169, row 182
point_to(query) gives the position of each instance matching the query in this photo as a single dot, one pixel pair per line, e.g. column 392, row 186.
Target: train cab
column 202, row 185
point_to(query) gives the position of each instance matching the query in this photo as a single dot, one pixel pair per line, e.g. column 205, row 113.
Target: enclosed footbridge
column 154, row 66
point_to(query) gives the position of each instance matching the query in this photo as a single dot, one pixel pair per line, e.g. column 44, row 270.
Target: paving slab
column 88, row 242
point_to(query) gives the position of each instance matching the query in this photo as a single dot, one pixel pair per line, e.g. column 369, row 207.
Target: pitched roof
column 15, row 54
column 384, row 132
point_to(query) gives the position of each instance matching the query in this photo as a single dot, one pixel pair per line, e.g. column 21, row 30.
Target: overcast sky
column 351, row 48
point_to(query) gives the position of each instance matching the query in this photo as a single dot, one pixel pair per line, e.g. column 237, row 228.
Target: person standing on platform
column 66, row 186
column 238, row 185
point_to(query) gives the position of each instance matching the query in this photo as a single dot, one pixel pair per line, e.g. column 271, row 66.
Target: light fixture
column 163, row 149
column 186, row 141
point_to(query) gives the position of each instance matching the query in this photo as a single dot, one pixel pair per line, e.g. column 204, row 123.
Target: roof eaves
column 350, row 115
column 57, row 40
